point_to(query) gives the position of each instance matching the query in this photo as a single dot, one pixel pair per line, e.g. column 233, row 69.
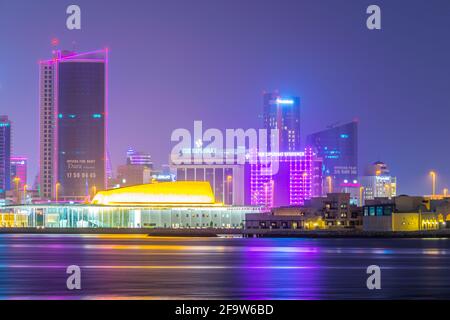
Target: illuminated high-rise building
column 282, row 113
column 5, row 155
column 338, row 147
column 19, row 170
column 73, row 110
column 281, row 179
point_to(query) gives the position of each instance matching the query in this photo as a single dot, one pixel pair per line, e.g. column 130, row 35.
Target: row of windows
column 378, row 211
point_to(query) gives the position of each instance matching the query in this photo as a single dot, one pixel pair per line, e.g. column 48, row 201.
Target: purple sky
column 173, row 62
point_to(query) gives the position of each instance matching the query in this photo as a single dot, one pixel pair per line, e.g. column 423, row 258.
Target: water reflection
column 140, row 267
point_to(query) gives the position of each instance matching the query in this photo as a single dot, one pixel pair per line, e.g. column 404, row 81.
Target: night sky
column 173, row 62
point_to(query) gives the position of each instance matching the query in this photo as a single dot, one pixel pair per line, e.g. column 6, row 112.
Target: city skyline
column 381, row 110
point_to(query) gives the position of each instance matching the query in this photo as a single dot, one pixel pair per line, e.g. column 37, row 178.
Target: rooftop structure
column 165, row 193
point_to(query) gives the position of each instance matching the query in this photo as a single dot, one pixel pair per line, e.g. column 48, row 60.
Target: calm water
column 135, row 266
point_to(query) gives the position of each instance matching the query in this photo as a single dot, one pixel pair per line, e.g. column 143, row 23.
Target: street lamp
column 57, row 185
column 25, row 187
column 17, row 182
column 229, row 180
column 330, row 184
column 94, row 191
column 387, row 188
column 433, row 181
column 361, row 192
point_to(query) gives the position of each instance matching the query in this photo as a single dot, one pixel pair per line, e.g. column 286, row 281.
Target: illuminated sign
column 285, row 101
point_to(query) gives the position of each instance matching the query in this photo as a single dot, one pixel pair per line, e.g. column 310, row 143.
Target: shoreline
column 245, row 233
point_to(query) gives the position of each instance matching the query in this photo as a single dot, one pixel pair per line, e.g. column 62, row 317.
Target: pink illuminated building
column 283, row 178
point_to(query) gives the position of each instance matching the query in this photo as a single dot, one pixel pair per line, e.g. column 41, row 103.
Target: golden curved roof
column 164, row 193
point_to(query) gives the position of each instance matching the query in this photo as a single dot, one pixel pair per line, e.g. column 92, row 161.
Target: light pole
column 433, row 181
column 445, row 192
column 330, row 184
column 387, row 190
column 25, row 187
column 361, row 192
column 57, row 185
column 229, row 180
column 17, row 182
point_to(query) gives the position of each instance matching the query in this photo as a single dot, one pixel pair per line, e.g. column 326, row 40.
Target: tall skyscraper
column 73, row 111
column 19, row 170
column 338, row 147
column 282, row 113
column 5, row 155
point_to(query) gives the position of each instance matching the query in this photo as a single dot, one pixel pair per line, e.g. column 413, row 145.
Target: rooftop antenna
column 54, row 42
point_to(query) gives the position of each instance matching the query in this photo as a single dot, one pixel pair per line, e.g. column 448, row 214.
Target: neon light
column 96, row 115
column 265, row 177
column 60, row 116
column 344, row 136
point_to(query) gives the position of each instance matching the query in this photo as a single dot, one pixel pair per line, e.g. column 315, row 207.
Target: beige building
column 406, row 213
column 331, row 212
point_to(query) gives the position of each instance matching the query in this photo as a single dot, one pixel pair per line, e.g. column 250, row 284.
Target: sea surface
column 142, row 267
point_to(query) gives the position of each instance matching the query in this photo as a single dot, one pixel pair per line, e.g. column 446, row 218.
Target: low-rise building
column 405, row 213
column 332, row 211
column 337, row 211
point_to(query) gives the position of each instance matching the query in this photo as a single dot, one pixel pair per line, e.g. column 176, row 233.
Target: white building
column 378, row 183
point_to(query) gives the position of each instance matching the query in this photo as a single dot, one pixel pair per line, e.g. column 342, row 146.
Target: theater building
column 182, row 204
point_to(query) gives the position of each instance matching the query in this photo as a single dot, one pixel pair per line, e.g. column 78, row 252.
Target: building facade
column 130, row 175
column 378, row 182
column 281, row 179
column 5, row 155
column 405, row 213
column 73, row 110
column 227, row 181
column 283, row 114
column 338, row 147
column 19, row 170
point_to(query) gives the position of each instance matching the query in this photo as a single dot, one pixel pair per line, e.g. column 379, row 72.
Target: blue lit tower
column 5, row 155
column 338, row 147
column 282, row 113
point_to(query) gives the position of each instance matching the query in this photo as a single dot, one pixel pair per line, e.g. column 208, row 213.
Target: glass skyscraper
column 282, row 113
column 5, row 155
column 73, row 89
column 338, row 147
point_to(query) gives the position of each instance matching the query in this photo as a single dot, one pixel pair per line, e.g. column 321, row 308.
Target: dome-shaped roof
column 169, row 193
